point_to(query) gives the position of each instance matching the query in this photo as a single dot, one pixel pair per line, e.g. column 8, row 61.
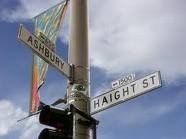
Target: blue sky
column 125, row 37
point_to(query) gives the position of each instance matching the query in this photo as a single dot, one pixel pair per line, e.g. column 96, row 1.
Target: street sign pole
column 78, row 90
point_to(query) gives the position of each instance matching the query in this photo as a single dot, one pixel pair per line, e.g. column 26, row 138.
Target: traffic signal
column 61, row 120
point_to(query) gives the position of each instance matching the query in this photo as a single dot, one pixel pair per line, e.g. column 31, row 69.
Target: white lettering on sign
column 43, row 51
column 124, row 93
column 123, row 81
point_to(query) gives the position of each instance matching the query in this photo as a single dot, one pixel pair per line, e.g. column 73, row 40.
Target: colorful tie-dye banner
column 47, row 24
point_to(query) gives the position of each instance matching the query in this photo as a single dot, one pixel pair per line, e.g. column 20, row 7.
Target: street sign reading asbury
column 126, row 92
column 43, row 51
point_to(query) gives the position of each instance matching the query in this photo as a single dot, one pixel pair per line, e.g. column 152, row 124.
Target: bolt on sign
column 125, row 92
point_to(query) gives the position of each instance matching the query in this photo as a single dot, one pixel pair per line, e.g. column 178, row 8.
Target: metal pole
column 79, row 57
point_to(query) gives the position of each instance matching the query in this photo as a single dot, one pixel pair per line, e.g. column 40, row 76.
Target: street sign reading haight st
column 43, row 51
column 126, row 92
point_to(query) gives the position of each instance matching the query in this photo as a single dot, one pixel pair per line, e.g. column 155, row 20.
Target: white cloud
column 131, row 36
column 10, row 113
column 26, row 10
column 9, row 116
column 127, row 36
column 150, row 112
column 146, row 113
column 12, row 16
column 30, row 128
